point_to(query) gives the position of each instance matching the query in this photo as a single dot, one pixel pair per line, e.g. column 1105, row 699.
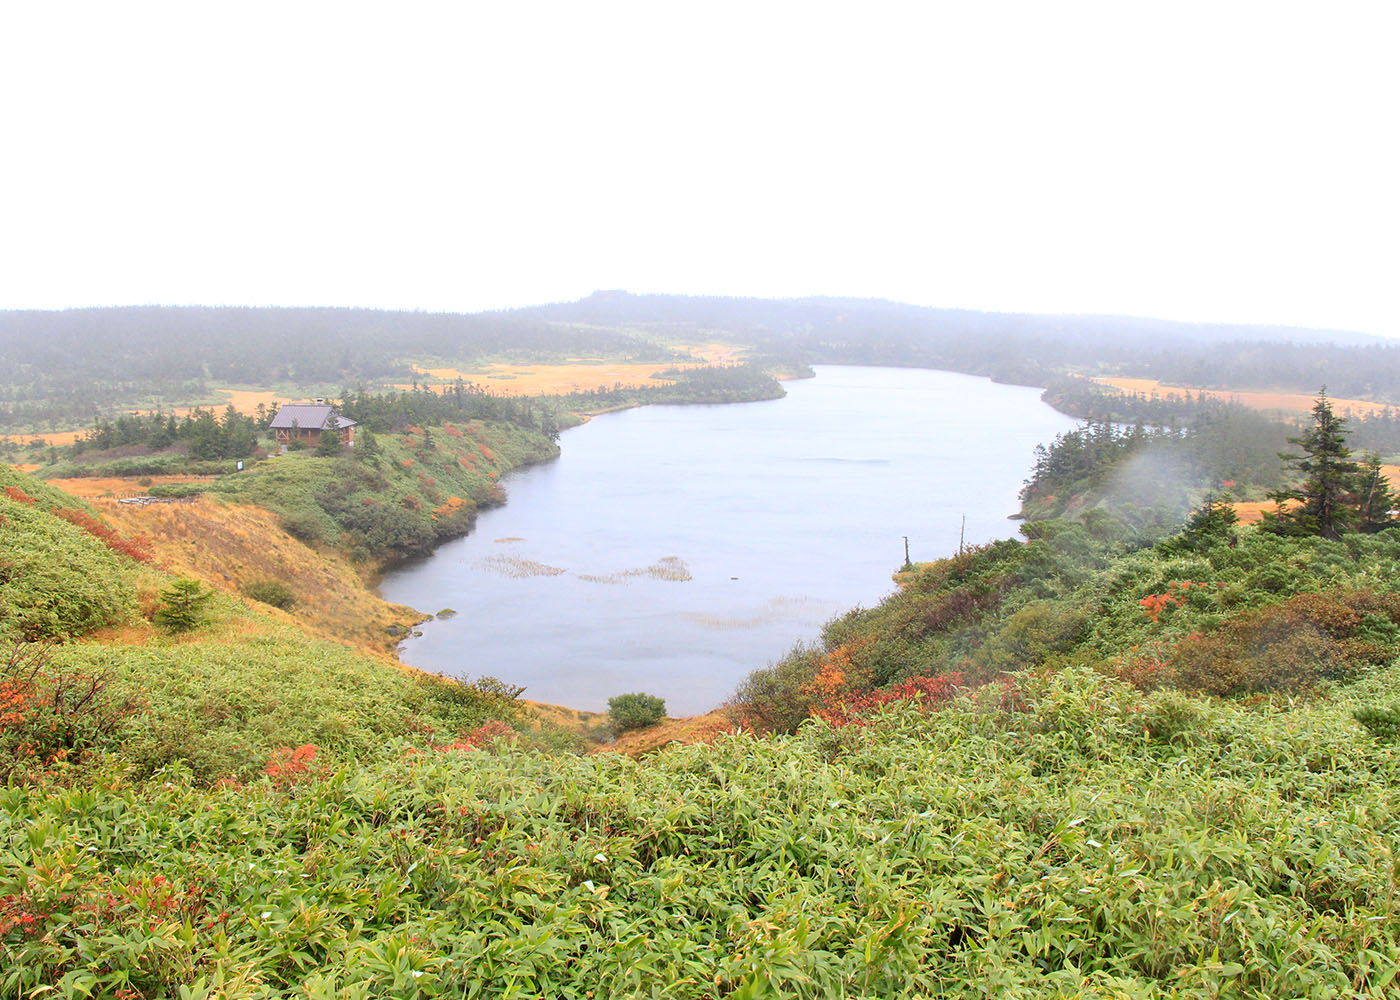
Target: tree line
column 206, row 437
column 1017, row 348
column 61, row 368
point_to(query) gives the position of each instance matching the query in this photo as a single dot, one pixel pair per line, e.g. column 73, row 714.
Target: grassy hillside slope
column 1048, row 845
column 396, row 497
column 236, row 546
column 1064, row 766
column 87, row 677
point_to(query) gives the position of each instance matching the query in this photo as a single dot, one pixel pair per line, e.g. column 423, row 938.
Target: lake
column 674, row 549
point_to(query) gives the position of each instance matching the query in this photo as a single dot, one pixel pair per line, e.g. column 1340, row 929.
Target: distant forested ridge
column 67, row 367
column 1013, row 347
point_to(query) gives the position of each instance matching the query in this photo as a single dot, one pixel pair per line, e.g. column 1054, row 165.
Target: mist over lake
column 673, row 549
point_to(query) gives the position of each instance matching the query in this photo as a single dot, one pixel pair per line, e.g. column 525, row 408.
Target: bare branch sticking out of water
column 670, row 568
column 507, row 540
column 515, row 566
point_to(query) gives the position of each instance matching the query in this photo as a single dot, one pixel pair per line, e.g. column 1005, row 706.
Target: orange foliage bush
column 836, row 674
column 15, row 493
column 449, row 507
column 1154, row 604
column 288, row 766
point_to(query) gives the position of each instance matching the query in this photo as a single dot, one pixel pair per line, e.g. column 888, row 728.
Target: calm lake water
column 673, row 549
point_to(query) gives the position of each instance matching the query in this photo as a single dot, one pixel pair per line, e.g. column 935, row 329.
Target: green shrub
column 329, row 445
column 305, row 525
column 454, row 707
column 634, row 711
column 273, row 592
column 1033, row 634
column 780, row 697
column 1170, row 717
column 495, row 688
column 1382, row 723
column 1273, row 579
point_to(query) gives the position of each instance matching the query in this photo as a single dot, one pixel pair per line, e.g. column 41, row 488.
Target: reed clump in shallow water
column 520, row 568
column 671, row 568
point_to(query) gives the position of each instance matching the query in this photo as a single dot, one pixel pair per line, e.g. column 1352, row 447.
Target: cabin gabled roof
column 309, row 417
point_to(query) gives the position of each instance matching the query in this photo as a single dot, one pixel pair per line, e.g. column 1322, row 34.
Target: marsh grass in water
column 671, row 568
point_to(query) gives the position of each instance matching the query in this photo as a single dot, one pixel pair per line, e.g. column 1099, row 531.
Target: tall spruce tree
column 1324, row 502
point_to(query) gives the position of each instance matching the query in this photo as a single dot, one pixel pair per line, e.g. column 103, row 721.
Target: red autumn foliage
column 454, row 432
column 855, row 708
column 289, row 766
column 479, row 738
column 50, row 716
column 1010, row 698
column 22, row 913
column 136, row 548
column 15, row 493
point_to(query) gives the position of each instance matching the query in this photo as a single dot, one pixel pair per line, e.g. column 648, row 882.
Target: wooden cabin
column 307, row 422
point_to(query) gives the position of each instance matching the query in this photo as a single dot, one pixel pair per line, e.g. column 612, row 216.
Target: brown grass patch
column 694, row 729
column 543, row 380
column 247, row 400
column 1286, row 402
column 228, row 546
column 1251, row 511
column 715, row 353
column 592, row 726
column 55, row 439
column 95, row 487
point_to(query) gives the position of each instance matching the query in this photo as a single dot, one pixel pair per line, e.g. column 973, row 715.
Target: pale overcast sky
column 1215, row 161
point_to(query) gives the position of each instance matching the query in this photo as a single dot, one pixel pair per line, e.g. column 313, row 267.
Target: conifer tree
column 329, row 444
column 182, row 606
column 1374, row 497
column 1324, row 502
